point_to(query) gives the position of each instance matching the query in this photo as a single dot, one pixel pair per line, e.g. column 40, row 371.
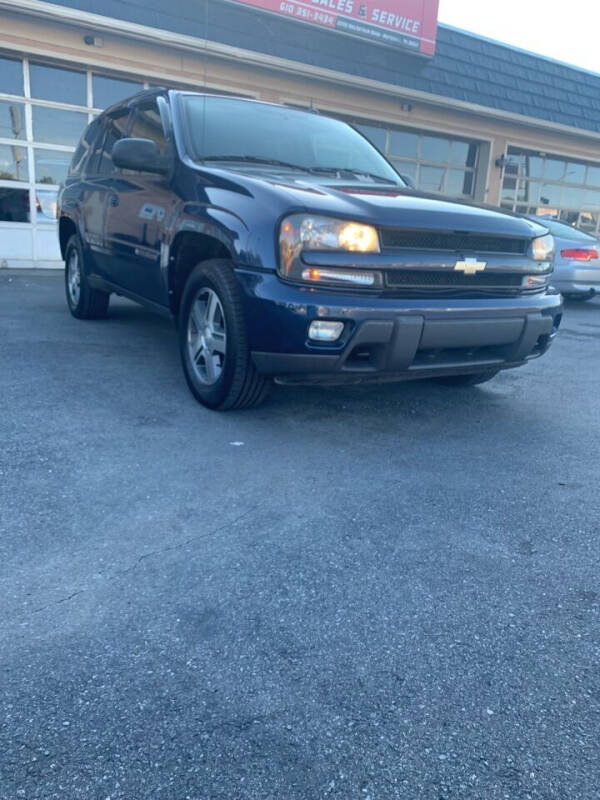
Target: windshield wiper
column 258, row 160
column 315, row 170
column 340, row 170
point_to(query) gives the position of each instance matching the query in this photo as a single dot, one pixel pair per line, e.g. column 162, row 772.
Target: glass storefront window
column 533, row 167
column 13, row 163
column 550, row 195
column 437, row 164
column 459, row 183
column 592, row 199
column 463, row 154
column 593, row 176
column 404, row 144
column 55, row 126
column 51, row 166
column 14, row 204
column 406, row 168
column 60, row 85
column 431, row 179
column 12, row 119
column 107, row 91
column 572, row 197
column 575, row 173
column 11, row 76
column 555, row 169
column 562, row 193
column 434, row 148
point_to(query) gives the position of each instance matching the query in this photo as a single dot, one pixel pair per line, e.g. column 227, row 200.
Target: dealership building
column 463, row 116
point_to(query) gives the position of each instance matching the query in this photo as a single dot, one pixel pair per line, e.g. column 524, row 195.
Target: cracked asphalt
column 358, row 593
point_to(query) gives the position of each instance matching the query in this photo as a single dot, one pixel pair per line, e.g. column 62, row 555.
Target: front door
column 138, row 204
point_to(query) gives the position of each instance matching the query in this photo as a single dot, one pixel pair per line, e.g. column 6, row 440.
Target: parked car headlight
column 542, row 248
column 300, row 232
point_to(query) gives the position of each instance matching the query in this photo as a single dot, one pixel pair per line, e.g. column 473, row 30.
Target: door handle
column 113, row 200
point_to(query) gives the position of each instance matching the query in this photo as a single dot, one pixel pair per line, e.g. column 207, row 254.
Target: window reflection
column 13, row 163
column 12, row 119
column 55, row 126
column 46, row 204
column 51, row 166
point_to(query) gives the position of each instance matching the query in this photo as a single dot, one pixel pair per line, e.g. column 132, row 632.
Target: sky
column 567, row 30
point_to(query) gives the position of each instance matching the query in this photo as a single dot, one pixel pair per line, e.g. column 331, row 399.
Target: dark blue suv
column 286, row 247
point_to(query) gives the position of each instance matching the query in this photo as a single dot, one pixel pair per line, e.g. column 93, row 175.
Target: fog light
column 323, row 331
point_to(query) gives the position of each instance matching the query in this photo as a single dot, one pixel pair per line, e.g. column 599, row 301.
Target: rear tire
column 467, row 380
column 83, row 301
column 213, row 340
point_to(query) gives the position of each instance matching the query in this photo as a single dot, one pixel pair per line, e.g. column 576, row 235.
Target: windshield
column 231, row 129
column 564, row 230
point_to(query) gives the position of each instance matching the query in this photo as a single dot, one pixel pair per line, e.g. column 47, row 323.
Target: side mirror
column 141, row 155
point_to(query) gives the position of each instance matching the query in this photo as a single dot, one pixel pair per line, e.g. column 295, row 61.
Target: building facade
column 477, row 120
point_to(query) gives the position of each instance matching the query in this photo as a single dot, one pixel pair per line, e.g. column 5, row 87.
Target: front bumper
column 388, row 338
column 577, row 278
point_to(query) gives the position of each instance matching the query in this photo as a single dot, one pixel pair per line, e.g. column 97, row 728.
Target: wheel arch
column 66, row 229
column 188, row 249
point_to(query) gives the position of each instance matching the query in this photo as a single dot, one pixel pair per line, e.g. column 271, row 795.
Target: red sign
column 408, row 24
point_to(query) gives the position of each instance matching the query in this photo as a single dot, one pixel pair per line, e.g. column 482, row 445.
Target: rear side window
column 147, row 124
column 84, row 148
column 116, row 127
column 566, row 231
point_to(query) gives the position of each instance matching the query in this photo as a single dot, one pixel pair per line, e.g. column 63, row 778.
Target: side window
column 91, row 167
column 84, row 148
column 147, row 124
column 116, row 127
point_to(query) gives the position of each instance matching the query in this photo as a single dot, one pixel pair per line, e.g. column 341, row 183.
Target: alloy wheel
column 207, row 336
column 74, row 278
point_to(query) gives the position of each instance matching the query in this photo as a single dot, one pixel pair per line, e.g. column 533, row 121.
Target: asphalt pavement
column 361, row 593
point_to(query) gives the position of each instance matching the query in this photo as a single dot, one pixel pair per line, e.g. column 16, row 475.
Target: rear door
column 137, row 208
column 111, row 259
column 86, row 196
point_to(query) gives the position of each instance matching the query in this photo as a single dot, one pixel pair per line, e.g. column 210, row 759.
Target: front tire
column 467, row 380
column 83, row 301
column 213, row 341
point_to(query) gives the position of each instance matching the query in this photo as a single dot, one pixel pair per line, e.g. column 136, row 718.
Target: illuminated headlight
column 542, row 248
column 301, row 232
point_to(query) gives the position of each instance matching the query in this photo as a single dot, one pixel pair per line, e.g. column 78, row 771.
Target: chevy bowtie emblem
column 470, row 266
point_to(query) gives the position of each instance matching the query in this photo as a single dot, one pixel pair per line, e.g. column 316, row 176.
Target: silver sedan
column 577, row 260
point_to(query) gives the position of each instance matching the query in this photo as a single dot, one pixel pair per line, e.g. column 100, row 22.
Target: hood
column 385, row 205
